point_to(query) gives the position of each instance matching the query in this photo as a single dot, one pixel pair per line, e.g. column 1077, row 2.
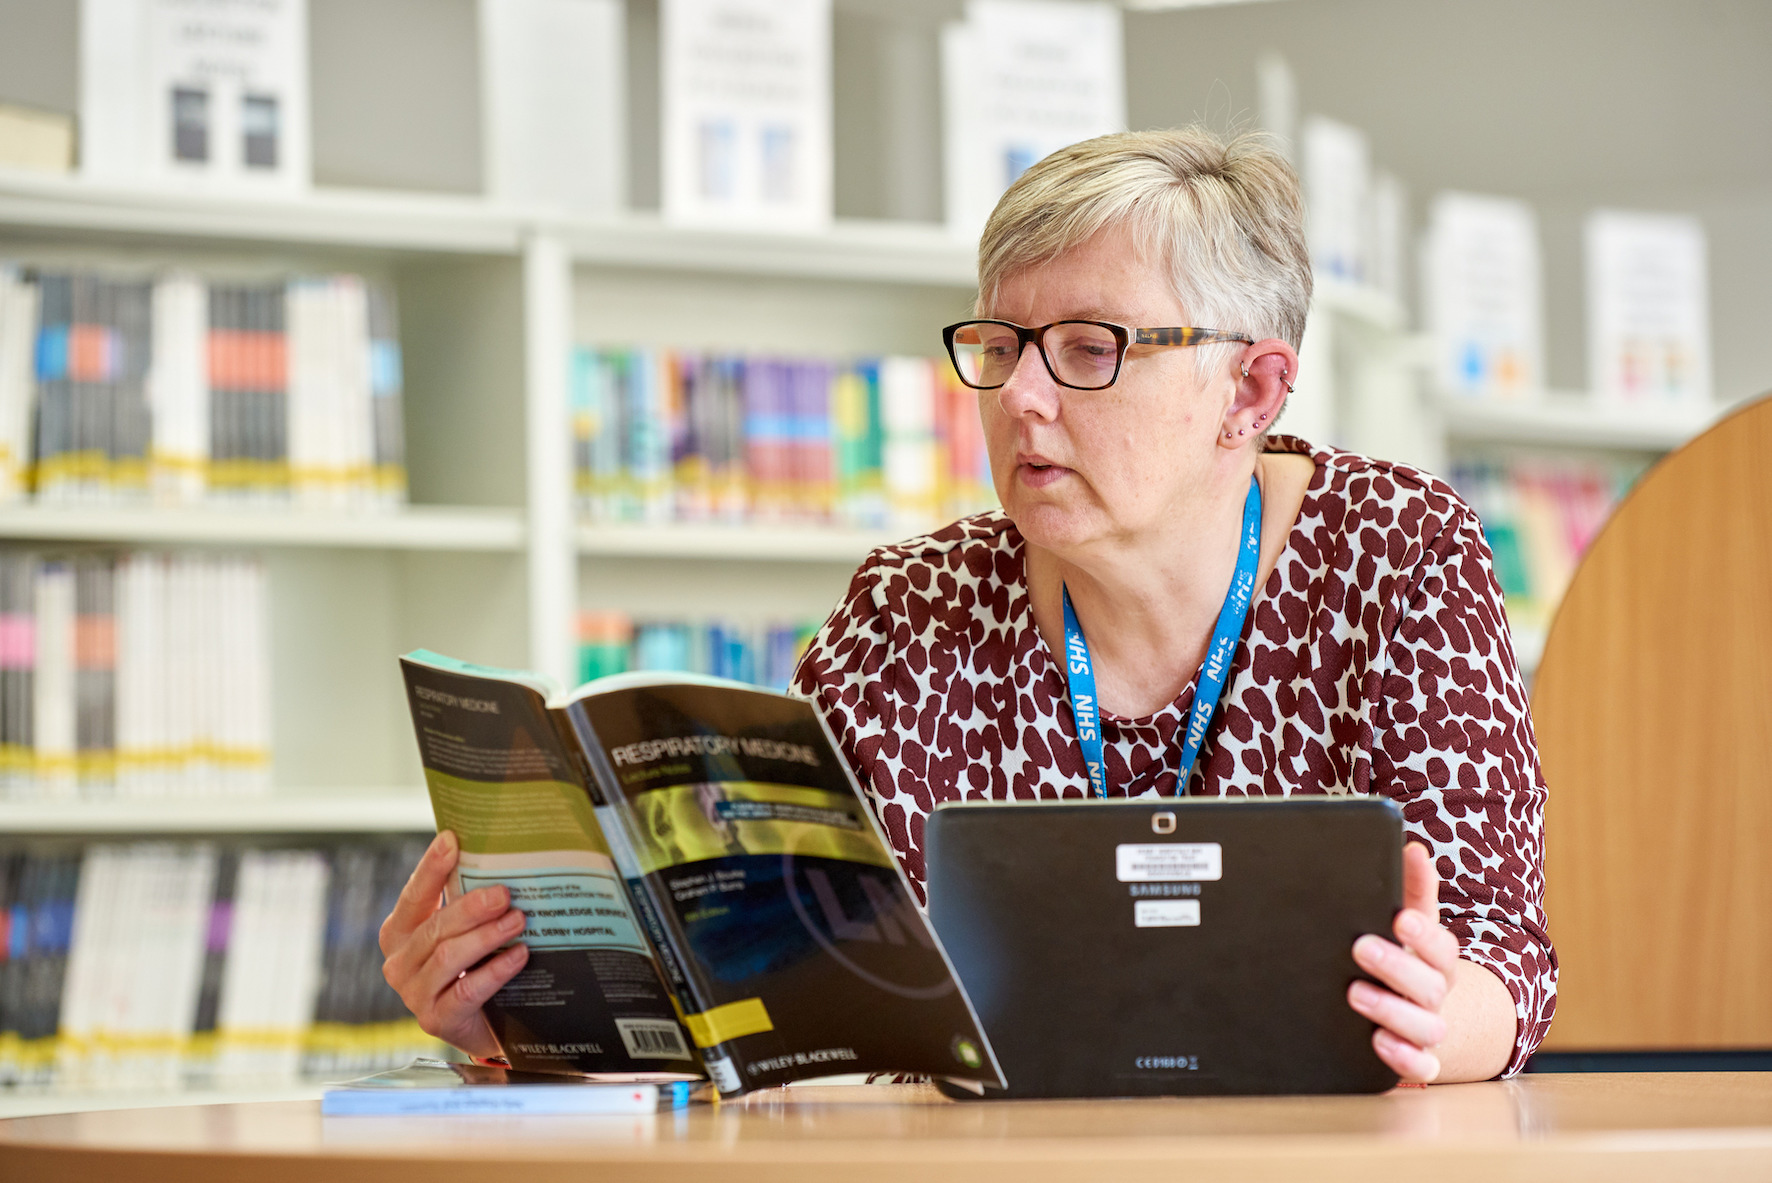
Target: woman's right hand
column 434, row 953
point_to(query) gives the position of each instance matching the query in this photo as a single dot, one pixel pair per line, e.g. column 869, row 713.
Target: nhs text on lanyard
column 1209, row 686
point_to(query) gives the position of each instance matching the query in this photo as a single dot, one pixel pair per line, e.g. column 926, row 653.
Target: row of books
column 136, row 675
column 662, row 435
column 175, row 964
column 1539, row 517
column 763, row 655
column 173, row 388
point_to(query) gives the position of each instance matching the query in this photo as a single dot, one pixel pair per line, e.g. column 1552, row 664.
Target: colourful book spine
column 581, row 394
column 54, row 443
column 387, row 386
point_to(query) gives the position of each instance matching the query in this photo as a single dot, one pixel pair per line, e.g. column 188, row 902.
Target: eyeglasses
column 1080, row 354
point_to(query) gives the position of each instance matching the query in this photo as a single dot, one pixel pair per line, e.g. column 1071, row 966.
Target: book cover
column 510, row 783
column 712, row 826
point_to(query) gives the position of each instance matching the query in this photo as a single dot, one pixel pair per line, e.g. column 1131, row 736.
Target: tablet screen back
column 1162, row 947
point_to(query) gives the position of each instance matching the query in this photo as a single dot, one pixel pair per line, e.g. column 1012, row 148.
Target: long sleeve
column 1455, row 748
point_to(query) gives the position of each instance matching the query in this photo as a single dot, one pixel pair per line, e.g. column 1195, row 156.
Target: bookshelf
column 489, row 561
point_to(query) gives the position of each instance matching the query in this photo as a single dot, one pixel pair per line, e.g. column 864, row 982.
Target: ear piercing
column 1290, row 389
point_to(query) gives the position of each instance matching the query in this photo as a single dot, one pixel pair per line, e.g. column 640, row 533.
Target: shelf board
column 1573, row 420
column 38, row 1102
column 893, row 252
column 413, row 527
column 334, row 217
column 805, row 544
column 1358, row 301
column 329, row 811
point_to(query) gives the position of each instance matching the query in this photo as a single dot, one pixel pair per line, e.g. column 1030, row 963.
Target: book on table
column 705, row 888
column 428, row 1087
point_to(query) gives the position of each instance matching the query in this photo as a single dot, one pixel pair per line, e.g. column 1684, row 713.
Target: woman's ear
column 1266, row 374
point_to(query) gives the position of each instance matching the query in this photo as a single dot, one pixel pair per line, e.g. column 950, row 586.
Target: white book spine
column 54, row 682
column 178, row 390
column 18, row 380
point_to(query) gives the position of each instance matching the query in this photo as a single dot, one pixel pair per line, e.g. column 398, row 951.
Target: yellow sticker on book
column 744, row 1017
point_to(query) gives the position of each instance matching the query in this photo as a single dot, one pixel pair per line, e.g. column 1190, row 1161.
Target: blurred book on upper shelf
column 1648, row 310
column 745, row 113
column 42, row 141
column 169, row 388
column 213, row 95
column 553, row 86
column 1021, row 80
column 888, row 443
column 1483, row 291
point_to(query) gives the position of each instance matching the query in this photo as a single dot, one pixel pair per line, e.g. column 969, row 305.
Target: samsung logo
column 1136, row 890
column 1167, row 1063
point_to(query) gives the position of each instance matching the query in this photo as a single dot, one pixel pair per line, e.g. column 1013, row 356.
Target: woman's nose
column 1030, row 390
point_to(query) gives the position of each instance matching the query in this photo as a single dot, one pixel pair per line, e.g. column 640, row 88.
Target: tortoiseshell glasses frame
column 984, row 356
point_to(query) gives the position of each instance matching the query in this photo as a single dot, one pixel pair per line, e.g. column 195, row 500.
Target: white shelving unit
column 1569, row 419
column 378, row 221
column 370, row 811
column 489, row 562
column 748, row 544
column 420, row 527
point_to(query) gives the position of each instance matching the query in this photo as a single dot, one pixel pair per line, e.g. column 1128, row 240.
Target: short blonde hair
column 1225, row 218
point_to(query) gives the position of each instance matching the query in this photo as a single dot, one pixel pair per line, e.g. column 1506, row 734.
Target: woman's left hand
column 1419, row 970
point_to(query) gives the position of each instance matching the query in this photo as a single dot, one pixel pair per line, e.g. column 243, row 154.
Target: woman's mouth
column 1040, row 473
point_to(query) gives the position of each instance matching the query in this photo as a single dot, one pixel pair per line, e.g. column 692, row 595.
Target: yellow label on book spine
column 744, row 1017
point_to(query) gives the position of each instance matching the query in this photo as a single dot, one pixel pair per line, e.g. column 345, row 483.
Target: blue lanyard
column 1210, row 684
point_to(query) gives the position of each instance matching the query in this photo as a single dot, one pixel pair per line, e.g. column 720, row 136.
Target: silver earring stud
column 1245, row 369
column 1290, row 389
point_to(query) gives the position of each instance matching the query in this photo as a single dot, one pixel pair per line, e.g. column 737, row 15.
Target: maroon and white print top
column 1375, row 660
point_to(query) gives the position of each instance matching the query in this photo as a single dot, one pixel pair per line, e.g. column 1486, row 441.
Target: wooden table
column 1613, row 1127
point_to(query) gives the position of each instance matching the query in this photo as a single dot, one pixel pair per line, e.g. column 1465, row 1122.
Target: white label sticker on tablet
column 1166, row 913
column 1158, row 862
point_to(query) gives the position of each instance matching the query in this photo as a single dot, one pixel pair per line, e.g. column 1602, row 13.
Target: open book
column 704, row 885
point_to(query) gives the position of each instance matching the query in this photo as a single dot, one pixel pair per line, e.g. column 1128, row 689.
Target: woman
column 1142, row 298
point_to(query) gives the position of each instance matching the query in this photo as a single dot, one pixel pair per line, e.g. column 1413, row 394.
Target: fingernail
column 511, row 921
column 490, row 899
column 445, row 843
column 1369, row 950
column 517, row 953
column 1409, row 923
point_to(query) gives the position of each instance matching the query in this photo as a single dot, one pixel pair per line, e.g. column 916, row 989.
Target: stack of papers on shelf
column 439, row 1087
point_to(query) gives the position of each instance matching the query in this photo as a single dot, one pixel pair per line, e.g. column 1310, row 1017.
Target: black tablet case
column 1078, row 1001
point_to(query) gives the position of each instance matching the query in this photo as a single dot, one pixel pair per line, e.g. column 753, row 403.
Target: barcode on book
column 652, row 1039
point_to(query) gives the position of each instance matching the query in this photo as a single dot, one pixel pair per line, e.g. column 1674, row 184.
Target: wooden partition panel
column 1653, row 707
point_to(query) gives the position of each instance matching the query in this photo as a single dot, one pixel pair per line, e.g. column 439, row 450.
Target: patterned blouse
column 1375, row 659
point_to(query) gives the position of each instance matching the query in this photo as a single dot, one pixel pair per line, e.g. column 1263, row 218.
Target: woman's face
column 1080, row 467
